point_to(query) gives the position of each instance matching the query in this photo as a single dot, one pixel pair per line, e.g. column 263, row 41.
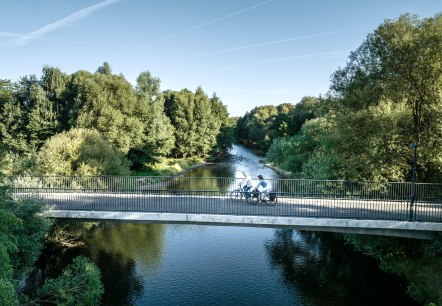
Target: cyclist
column 263, row 186
column 248, row 183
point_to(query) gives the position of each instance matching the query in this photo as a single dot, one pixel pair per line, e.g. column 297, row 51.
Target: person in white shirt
column 247, row 182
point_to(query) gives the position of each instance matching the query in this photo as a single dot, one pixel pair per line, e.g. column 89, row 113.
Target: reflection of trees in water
column 327, row 272
column 143, row 242
column 114, row 248
column 301, row 266
column 121, row 283
column 197, row 178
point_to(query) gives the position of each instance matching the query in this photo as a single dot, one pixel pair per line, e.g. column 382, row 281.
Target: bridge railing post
column 413, row 178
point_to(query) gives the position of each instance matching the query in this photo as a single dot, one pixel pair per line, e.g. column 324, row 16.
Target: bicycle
column 239, row 194
column 269, row 198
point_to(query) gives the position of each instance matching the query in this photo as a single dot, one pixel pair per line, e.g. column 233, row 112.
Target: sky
column 249, row 52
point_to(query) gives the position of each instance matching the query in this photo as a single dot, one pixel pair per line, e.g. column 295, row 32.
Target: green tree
column 308, row 108
column 13, row 135
column 197, row 121
column 8, row 225
column 280, row 125
column 23, row 226
column 108, row 104
column 41, row 118
column 158, row 137
column 80, row 152
column 28, row 117
column 255, row 128
column 79, row 284
column 105, row 69
column 148, row 86
column 207, row 122
column 400, row 63
column 388, row 96
column 304, row 154
column 54, row 83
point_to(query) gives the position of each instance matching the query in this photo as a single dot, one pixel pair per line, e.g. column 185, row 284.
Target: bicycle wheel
column 253, row 199
column 272, row 199
column 236, row 195
column 258, row 197
column 272, row 203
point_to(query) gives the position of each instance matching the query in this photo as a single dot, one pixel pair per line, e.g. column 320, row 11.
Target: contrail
column 27, row 38
column 280, row 59
column 274, row 42
column 193, row 28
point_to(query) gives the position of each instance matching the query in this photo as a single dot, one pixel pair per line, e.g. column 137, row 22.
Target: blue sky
column 250, row 52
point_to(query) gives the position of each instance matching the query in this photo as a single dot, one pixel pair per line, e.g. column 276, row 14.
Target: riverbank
column 283, row 173
column 421, row 271
column 172, row 167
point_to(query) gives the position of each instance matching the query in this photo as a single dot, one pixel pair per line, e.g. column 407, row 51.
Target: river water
column 176, row 264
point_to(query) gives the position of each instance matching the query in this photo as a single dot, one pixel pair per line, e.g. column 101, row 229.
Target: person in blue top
column 263, row 186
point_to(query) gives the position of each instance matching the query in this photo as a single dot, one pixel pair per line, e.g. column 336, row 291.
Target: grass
column 169, row 166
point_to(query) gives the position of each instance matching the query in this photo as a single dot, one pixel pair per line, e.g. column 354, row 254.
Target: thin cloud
column 275, row 42
column 194, row 28
column 29, row 37
column 311, row 55
column 8, row 34
column 319, row 55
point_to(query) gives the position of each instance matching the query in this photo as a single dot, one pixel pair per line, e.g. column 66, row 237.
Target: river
column 176, row 264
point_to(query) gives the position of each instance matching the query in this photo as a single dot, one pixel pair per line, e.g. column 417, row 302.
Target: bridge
column 378, row 208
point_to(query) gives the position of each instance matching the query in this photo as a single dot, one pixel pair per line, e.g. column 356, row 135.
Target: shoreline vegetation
column 283, row 173
column 422, row 274
column 71, row 124
column 172, row 167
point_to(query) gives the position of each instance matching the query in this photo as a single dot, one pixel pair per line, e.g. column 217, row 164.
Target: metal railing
column 304, row 198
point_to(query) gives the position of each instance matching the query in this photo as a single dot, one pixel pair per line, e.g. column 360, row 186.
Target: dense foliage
column 264, row 124
column 197, row 120
column 388, row 96
column 79, row 284
column 419, row 261
column 80, row 152
column 141, row 122
column 23, row 227
column 22, row 231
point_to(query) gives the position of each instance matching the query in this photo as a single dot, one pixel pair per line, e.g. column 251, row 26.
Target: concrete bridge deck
column 369, row 207
column 317, row 214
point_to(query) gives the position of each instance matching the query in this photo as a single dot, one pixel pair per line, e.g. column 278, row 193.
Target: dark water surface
column 170, row 264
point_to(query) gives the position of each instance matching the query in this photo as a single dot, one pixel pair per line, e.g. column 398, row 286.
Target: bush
column 80, row 284
column 22, row 230
column 80, row 152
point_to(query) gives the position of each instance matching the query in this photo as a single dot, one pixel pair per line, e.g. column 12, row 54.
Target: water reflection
column 143, row 243
column 327, row 272
column 120, row 249
column 120, row 279
column 156, row 264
